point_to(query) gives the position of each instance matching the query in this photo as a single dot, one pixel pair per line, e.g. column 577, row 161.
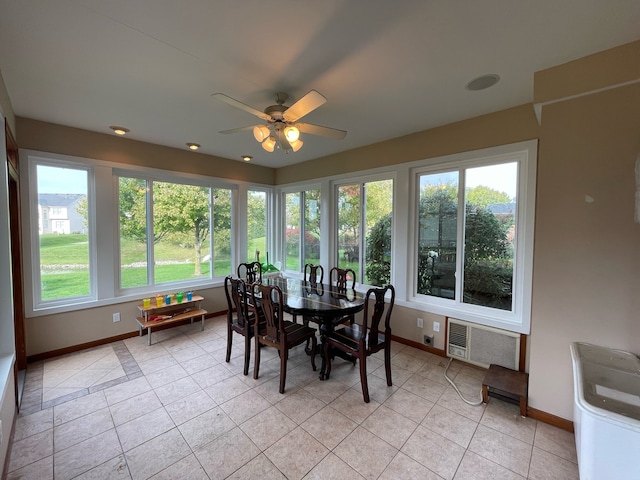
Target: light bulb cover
column 292, row 133
column 261, row 133
column 193, row 146
column 269, row 144
column 296, row 145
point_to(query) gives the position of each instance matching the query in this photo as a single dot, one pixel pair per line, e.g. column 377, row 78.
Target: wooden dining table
column 322, row 303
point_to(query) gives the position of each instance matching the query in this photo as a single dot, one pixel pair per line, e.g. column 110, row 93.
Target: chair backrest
column 236, row 291
column 267, row 301
column 380, row 312
column 343, row 277
column 313, row 273
column 250, row 272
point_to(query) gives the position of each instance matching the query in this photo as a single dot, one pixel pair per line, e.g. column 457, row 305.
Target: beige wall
column 52, row 332
column 586, row 255
column 49, row 137
column 5, row 105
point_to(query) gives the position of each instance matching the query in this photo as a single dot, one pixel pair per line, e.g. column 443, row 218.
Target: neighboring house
column 58, row 213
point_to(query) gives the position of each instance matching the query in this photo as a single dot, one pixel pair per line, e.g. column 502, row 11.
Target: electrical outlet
column 420, row 323
column 436, row 326
column 116, row 317
column 428, row 340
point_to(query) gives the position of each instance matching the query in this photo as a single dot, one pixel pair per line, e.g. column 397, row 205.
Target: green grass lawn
column 65, row 264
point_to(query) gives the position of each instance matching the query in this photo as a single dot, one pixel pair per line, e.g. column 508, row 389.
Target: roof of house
column 58, row 199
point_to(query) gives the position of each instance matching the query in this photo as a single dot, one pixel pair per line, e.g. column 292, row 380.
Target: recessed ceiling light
column 483, row 82
column 193, row 146
column 247, row 158
column 119, row 130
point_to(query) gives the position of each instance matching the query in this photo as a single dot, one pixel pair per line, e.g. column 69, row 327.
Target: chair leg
column 327, row 361
column 256, row 361
column 314, row 345
column 229, row 341
column 363, row 378
column 387, row 363
column 247, row 353
column 284, row 354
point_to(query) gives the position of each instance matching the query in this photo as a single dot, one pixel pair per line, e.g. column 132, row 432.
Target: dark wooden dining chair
column 243, row 321
column 250, row 272
column 267, row 302
column 361, row 341
column 343, row 278
column 313, row 273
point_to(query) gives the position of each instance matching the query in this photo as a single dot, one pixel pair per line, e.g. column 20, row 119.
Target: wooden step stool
column 508, row 383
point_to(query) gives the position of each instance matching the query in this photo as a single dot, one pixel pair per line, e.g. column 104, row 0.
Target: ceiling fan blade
column 242, row 106
column 306, row 104
column 321, row 131
column 239, row 129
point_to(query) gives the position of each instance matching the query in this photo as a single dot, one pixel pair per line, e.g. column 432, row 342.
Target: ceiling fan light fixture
column 296, row 145
column 269, row 144
column 261, row 133
column 292, row 133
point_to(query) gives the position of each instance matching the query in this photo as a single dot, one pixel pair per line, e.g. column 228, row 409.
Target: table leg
column 149, row 336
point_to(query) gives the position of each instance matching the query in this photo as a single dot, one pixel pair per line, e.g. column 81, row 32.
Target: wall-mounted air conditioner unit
column 482, row 345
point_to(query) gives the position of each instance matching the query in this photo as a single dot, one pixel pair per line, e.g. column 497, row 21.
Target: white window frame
column 282, row 224
column 519, row 318
column 102, row 189
column 362, row 180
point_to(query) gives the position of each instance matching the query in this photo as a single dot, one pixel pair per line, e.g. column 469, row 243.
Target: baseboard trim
column 103, row 341
column 550, row 419
column 419, row 346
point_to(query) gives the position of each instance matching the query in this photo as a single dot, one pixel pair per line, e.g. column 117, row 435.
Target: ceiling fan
column 282, row 129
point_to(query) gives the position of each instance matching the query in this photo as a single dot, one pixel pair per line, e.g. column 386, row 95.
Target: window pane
column 181, row 231
column 312, row 226
column 378, row 219
column 489, row 235
column 292, row 247
column 349, row 227
column 437, row 234
column 63, row 228
column 256, row 225
column 221, row 235
column 132, row 198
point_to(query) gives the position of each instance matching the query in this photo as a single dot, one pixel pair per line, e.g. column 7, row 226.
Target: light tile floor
column 175, row 409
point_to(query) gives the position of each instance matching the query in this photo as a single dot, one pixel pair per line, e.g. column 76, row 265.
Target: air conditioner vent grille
column 482, row 345
column 458, row 335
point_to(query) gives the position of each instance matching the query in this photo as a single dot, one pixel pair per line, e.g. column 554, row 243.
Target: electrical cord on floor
column 473, row 404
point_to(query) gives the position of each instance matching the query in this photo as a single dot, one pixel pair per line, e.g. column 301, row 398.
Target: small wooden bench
column 508, row 384
column 157, row 316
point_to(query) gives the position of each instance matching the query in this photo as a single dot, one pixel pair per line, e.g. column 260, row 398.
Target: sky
column 61, row 180
column 498, row 177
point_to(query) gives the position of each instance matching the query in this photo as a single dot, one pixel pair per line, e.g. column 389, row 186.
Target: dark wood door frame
column 16, row 252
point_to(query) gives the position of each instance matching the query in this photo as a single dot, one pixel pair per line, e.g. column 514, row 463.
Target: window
column 474, row 233
column 165, row 232
column 256, row 224
column 63, row 269
column 156, row 230
column 364, row 230
column 302, row 224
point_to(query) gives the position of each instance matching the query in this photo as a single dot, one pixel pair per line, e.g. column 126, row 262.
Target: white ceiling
column 387, row 68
